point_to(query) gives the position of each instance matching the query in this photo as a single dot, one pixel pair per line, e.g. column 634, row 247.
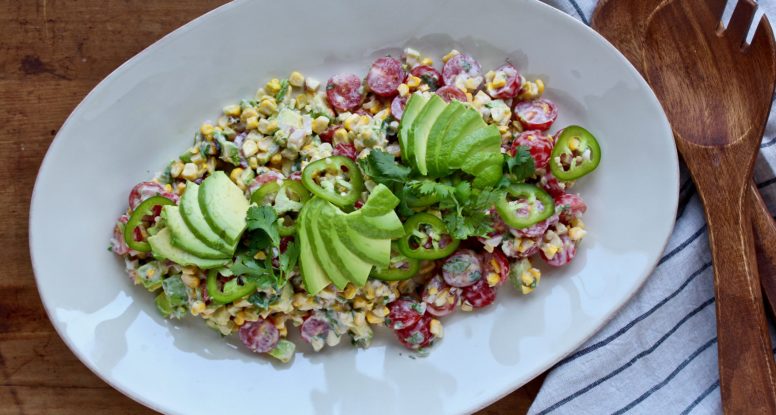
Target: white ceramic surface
column 144, row 114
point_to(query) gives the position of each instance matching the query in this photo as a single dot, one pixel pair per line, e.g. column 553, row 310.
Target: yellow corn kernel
column 358, row 318
column 276, row 160
column 404, row 90
column 235, row 174
column 253, row 163
column 469, row 97
column 341, row 136
column 498, row 82
column 493, row 279
column 248, row 113
column 351, row 122
column 366, row 134
column 576, row 233
column 180, row 188
column 197, row 307
column 471, row 84
column 577, row 222
column 176, row 168
column 350, row 292
column 273, row 86
column 268, row 106
column 261, row 256
column 359, row 302
column 427, row 62
column 189, row 171
column 539, row 86
column 432, row 290
column 535, row 272
column 435, row 327
column 381, row 311
column 503, row 129
column 466, row 307
column 573, row 144
column 252, row 123
column 423, row 88
column 369, row 292
column 239, row 319
column 450, row 55
column 250, row 148
column 413, row 81
column 223, row 121
column 232, row 110
column 320, row 124
column 296, row 79
column 490, row 75
column 550, row 250
column 189, row 280
column 206, row 129
column 374, row 319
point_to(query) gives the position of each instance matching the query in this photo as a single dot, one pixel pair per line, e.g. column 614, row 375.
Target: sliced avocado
column 313, row 275
column 353, row 267
column 192, row 215
column 184, row 239
column 380, row 201
column 224, row 206
column 162, row 248
column 489, row 176
column 373, row 251
column 437, row 134
column 320, row 249
column 416, row 103
column 479, row 159
column 387, row 226
column 467, row 123
column 420, row 129
column 480, row 138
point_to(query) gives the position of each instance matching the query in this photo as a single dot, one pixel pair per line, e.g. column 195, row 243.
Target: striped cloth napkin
column 659, row 354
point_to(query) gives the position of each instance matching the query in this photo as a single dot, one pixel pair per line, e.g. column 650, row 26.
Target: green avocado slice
column 381, row 201
column 224, row 206
column 320, row 249
column 162, row 248
column 354, row 268
column 416, row 103
column 489, row 176
column 420, row 129
column 184, row 239
column 313, row 275
column 465, row 124
column 387, row 226
column 478, row 160
column 479, row 139
column 192, row 215
column 374, row 251
column 436, row 135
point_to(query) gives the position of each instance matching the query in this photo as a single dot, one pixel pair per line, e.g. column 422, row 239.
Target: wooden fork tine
column 763, row 35
column 741, row 20
column 717, row 7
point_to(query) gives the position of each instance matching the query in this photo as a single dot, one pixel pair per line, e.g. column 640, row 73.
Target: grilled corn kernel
column 358, row 318
column 576, row 233
column 189, row 171
column 573, row 144
column 341, row 136
column 539, row 86
column 176, row 168
column 276, row 160
column 261, row 256
column 232, row 110
column 253, row 163
column 249, row 148
column 197, row 307
column 404, row 90
column 252, row 123
column 413, row 81
column 472, row 84
column 490, row 75
column 469, row 97
column 320, row 124
column 359, row 302
column 350, row 292
column 206, row 129
column 351, row 122
column 466, row 307
column 493, row 279
column 189, row 280
column 235, row 174
column 302, row 101
column 374, row 319
column 450, row 55
column 427, row 62
column 435, row 327
column 268, row 106
column 366, row 134
column 248, row 113
column 239, row 319
column 550, row 250
column 296, row 79
column 273, row 86
column 369, row 292
column 423, row 88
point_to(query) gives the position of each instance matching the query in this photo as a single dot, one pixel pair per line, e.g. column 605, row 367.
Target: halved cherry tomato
column 418, row 335
column 449, row 93
column 539, row 145
column 397, row 106
column 479, row 295
column 461, row 64
column 404, row 312
column 441, row 299
column 512, row 86
column 538, row 114
column 344, row 92
column 428, row 76
column 385, row 76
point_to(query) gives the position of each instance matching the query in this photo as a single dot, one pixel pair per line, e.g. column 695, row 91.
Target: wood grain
column 690, row 67
column 623, row 22
column 52, row 53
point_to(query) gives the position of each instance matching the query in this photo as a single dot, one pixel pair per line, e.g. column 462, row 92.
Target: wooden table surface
column 52, row 53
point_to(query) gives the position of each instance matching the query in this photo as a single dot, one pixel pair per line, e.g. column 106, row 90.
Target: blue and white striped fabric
column 659, row 354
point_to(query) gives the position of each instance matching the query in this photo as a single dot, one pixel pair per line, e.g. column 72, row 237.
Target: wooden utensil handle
column 747, row 380
column 765, row 244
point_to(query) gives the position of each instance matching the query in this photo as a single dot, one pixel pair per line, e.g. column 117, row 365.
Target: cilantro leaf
column 288, row 259
column 428, row 187
column 521, row 165
column 262, row 300
column 263, row 218
column 383, row 168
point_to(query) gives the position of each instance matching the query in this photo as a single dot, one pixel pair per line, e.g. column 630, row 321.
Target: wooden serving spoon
column 717, row 93
column 623, row 22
